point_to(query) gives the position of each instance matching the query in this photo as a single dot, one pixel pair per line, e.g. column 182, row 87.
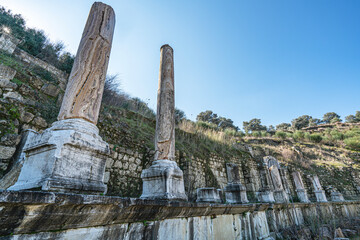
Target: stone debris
column 50, row 90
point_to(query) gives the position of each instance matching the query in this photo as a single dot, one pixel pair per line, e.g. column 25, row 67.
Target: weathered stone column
column 235, row 192
column 318, row 191
column 85, row 87
column 70, row 155
column 300, row 188
column 164, row 179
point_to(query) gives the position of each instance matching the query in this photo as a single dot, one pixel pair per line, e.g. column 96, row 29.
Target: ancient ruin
column 54, row 180
column 70, row 155
column 317, row 188
column 209, row 195
column 300, row 188
column 164, row 179
column 235, row 192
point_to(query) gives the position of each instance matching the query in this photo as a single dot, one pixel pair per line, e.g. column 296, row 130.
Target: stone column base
column 209, row 195
column 302, row 195
column 320, row 196
column 164, row 181
column 69, row 156
column 235, row 193
column 281, row 196
column 337, row 197
column 266, row 196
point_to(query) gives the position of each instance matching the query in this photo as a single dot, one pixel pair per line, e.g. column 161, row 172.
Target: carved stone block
column 163, row 180
column 68, row 156
column 337, row 197
column 209, row 195
column 235, row 193
column 320, row 196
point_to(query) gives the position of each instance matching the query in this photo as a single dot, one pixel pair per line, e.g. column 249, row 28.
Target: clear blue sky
column 269, row 59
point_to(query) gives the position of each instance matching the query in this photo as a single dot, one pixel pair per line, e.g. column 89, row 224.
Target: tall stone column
column 164, row 179
column 85, row 87
column 70, row 156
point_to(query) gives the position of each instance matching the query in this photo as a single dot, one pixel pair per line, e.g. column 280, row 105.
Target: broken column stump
column 235, row 192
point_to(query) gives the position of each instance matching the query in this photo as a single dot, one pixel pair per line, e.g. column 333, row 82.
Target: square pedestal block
column 235, row 193
column 69, row 156
column 163, row 180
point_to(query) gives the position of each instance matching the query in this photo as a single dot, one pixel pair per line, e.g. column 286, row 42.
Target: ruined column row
column 70, row 156
column 275, row 187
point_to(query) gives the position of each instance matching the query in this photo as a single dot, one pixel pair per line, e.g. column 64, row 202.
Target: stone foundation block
column 266, row 196
column 235, row 193
column 209, row 195
column 281, row 196
column 69, row 156
column 337, row 197
column 163, row 180
column 302, row 195
column 320, row 196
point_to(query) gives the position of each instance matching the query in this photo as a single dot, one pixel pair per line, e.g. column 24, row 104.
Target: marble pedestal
column 209, row 195
column 163, row 180
column 235, row 193
column 337, row 197
column 266, row 196
column 69, row 156
column 281, row 196
column 302, row 195
column 320, row 196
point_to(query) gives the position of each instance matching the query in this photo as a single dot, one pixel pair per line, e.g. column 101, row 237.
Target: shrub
column 206, row 125
column 315, row 137
column 256, row 134
column 265, row 134
column 280, row 134
column 353, row 143
column 337, row 135
column 44, row 74
column 352, row 133
column 230, row 132
column 298, row 135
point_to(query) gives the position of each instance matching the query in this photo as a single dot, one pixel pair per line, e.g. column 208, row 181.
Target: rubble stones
column 10, row 139
column 6, row 73
column 13, row 95
column 39, row 121
column 6, row 152
column 4, row 83
column 50, row 90
column 26, row 117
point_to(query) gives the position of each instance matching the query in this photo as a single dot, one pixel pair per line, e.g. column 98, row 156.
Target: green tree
column 328, row 117
column 353, row 118
column 179, row 115
column 253, row 125
column 314, row 122
column 283, row 127
column 221, row 122
column 301, row 122
column 271, row 130
column 207, row 116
